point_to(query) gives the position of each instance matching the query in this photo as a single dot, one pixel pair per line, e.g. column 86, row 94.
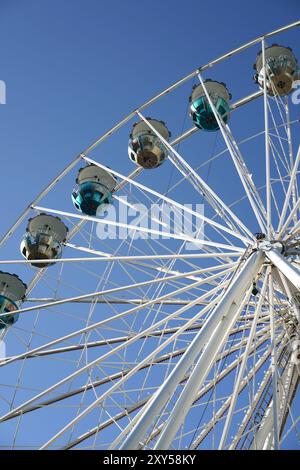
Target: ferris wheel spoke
column 136, row 260
column 203, row 391
column 243, row 433
column 166, row 331
column 220, row 376
column 291, row 234
column 268, row 433
column 113, row 351
column 274, row 360
column 208, row 190
column 292, row 427
column 188, row 172
column 286, row 268
column 142, row 229
column 283, row 154
column 222, row 410
column 169, row 385
column 287, row 287
column 98, row 383
column 288, row 382
column 276, row 156
column 295, row 193
column 289, row 191
column 243, row 364
column 153, row 353
column 204, row 254
column 204, row 248
column 103, row 322
column 209, row 427
column 155, row 252
column 114, row 387
column 195, row 381
column 265, row 437
column 147, row 345
column 289, row 220
column 106, row 424
column 267, row 142
column 231, row 267
column 239, row 163
column 242, row 141
column 289, row 392
column 153, row 334
column 99, row 399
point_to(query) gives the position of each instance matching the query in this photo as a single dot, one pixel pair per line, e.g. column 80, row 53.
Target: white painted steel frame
column 239, row 283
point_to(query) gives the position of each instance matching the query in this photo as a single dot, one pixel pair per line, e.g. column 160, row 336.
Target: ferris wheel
column 178, row 329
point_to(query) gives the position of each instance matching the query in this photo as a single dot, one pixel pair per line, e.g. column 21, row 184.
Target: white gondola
column 281, row 70
column 94, row 188
column 200, row 109
column 145, row 147
column 43, row 240
column 12, row 292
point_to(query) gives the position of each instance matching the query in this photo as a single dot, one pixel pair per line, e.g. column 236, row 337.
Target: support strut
column 221, row 315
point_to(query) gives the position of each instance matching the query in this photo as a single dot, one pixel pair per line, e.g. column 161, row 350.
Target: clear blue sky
column 73, row 68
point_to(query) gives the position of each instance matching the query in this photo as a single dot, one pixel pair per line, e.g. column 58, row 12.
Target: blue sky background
column 74, row 68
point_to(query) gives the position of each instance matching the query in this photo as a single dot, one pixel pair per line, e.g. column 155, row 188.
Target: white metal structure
column 158, row 339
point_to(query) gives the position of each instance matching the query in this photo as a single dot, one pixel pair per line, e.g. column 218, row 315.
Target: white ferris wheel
column 150, row 337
